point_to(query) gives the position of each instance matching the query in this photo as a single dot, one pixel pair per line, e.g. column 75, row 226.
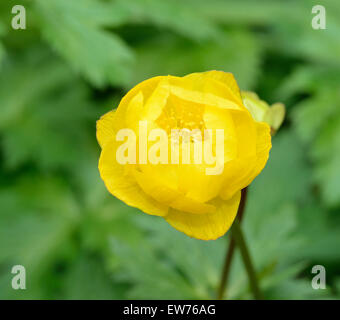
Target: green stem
column 231, row 249
column 241, row 243
column 226, row 270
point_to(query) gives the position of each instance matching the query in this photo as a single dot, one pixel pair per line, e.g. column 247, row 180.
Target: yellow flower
column 200, row 195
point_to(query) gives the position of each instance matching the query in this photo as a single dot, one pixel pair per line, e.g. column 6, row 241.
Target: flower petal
column 121, row 184
column 246, row 169
column 222, row 84
column 134, row 110
column 106, row 128
column 157, row 100
column 237, row 170
column 263, row 146
column 114, row 120
column 215, row 119
column 170, row 197
column 206, row 226
column 204, row 98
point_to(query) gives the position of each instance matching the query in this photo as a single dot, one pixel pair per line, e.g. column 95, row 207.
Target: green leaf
column 146, row 267
column 176, row 15
column 34, row 75
column 316, row 121
column 235, row 51
column 54, row 122
column 37, row 218
column 101, row 56
column 87, row 280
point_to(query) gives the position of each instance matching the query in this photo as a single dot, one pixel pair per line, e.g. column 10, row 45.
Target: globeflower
column 183, row 148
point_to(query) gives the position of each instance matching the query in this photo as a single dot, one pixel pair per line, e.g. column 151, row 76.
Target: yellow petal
column 263, row 146
column 157, row 100
column 204, row 98
column 237, row 170
column 111, row 122
column 106, row 128
column 246, row 169
column 147, row 87
column 170, row 197
column 197, row 184
column 237, row 173
column 223, row 84
column 216, row 118
column 134, row 111
column 193, row 179
column 123, row 185
column 206, row 226
column 245, row 128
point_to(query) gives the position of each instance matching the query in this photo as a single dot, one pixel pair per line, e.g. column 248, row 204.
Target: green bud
column 262, row 112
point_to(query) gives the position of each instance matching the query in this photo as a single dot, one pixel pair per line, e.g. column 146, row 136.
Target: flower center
column 181, row 114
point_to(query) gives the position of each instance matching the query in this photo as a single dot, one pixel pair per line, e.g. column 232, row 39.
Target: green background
column 76, row 60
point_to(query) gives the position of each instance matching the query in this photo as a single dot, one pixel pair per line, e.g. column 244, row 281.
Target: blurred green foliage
column 75, row 61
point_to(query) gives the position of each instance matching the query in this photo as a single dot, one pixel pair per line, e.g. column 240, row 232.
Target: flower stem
column 231, row 250
column 241, row 243
column 226, row 270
